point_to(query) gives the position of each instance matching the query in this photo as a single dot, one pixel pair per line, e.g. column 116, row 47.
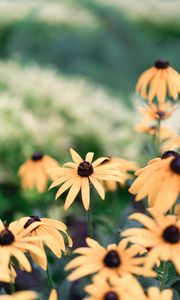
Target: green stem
column 51, row 282
column 89, row 223
column 12, row 287
column 164, row 275
column 158, row 138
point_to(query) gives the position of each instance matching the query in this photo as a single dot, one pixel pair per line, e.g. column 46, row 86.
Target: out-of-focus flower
column 115, row 261
column 78, row 175
column 152, row 129
column 161, row 235
column 33, row 171
column 159, row 180
column 53, row 295
column 159, row 80
column 153, row 112
column 171, row 144
column 112, row 289
column 134, row 290
column 14, row 242
column 50, row 228
column 24, row 295
column 124, row 166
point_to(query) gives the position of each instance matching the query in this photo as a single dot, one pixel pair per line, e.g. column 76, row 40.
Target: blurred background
column 68, row 69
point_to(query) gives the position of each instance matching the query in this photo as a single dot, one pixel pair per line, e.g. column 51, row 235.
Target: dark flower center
column 160, row 114
column 37, row 156
column 153, row 127
column 6, row 237
column 169, row 153
column 112, row 259
column 85, row 169
column 111, row 296
column 175, row 164
column 171, row 234
column 31, row 220
column 161, row 64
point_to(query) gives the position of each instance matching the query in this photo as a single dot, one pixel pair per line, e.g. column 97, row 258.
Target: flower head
column 14, row 242
column 161, row 234
column 159, row 180
column 50, row 228
column 152, row 130
column 79, row 174
column 33, row 171
column 158, row 81
column 153, row 112
column 110, row 262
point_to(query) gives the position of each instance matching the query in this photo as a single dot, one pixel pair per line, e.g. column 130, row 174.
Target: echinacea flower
column 152, row 129
column 159, row 180
column 124, row 166
column 110, row 262
column 14, row 242
column 33, row 172
column 160, row 111
column 24, row 295
column 50, row 228
column 78, row 175
column 161, row 234
column 159, row 81
column 53, row 295
column 103, row 289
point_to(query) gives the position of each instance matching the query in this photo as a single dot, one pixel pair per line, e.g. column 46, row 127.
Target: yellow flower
column 124, row 166
column 158, row 81
column 78, row 175
column 25, row 295
column 159, row 180
column 103, row 289
column 33, row 172
column 14, row 242
column 161, row 235
column 116, row 260
column 151, row 129
column 50, row 228
column 53, row 295
column 153, row 112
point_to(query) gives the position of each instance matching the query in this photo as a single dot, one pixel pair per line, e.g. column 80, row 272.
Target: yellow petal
column 85, row 193
column 74, row 190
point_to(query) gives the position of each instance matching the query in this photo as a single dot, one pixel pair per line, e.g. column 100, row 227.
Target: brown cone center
column 85, row 169
column 171, row 234
column 112, row 259
column 6, row 237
